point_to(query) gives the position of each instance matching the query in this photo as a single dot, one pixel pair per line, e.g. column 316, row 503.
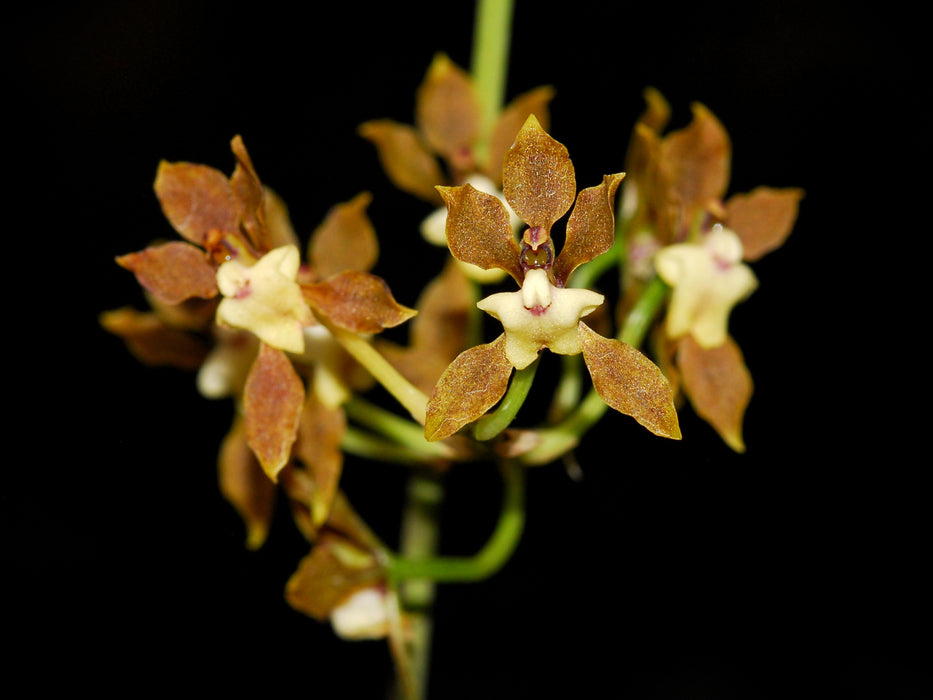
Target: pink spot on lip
column 721, row 263
column 537, row 310
column 243, row 291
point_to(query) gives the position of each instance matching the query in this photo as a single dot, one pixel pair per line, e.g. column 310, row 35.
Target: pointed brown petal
column 248, row 192
column 441, row 325
column 277, row 219
column 479, row 231
column 590, row 229
column 719, row 386
column 438, row 333
column 357, row 301
column 173, row 271
column 152, row 342
column 763, row 218
column 333, row 570
column 447, row 113
column 318, row 447
column 408, row 164
column 630, row 383
column 657, row 110
column 272, row 401
column 345, row 240
column 245, row 486
column 472, row 384
column 510, row 122
column 695, row 163
column 645, row 143
column 196, row 199
column 537, row 177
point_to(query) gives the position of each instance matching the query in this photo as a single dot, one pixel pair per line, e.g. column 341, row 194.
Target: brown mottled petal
column 657, row 111
column 471, row 385
column 344, row 519
column 590, row 229
column 248, row 192
column 408, row 164
column 245, row 485
column 695, row 162
column 446, row 111
column 152, row 342
column 510, row 122
column 273, row 398
column 441, row 325
column 718, row 384
column 345, row 240
column 479, row 230
column 538, row 177
column 333, row 570
column 763, row 218
column 278, row 221
column 630, row 383
column 195, row 199
column 358, row 302
column 173, row 271
column 438, row 333
column 318, row 447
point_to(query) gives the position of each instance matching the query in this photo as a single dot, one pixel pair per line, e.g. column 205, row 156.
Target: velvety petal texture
column 718, row 384
column 273, row 399
column 538, row 177
column 763, row 218
column 173, row 271
column 245, row 485
column 471, row 385
column 590, row 229
column 358, row 302
column 479, row 230
column 196, row 199
column 345, row 239
column 320, row 431
column 447, row 112
column 408, row 163
column 630, row 383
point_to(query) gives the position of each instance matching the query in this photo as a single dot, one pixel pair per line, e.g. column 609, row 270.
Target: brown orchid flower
column 258, row 337
column 540, row 185
column 449, row 129
column 680, row 225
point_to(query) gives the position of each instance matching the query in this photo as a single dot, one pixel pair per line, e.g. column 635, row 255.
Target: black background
column 671, row 570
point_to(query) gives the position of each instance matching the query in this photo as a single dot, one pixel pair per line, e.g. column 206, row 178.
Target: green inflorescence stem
column 494, row 553
column 490, row 61
column 493, row 423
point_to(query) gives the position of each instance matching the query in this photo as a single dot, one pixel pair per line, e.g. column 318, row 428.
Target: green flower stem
column 639, row 319
column 363, row 444
column 406, row 393
column 569, row 388
column 493, row 423
column 586, row 275
column 490, row 61
column 416, row 568
column 494, row 554
column 400, row 430
column 565, row 435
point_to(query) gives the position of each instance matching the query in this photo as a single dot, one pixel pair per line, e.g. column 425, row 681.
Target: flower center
column 537, row 258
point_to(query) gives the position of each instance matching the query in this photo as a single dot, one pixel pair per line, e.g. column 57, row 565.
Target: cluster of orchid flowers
column 294, row 339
